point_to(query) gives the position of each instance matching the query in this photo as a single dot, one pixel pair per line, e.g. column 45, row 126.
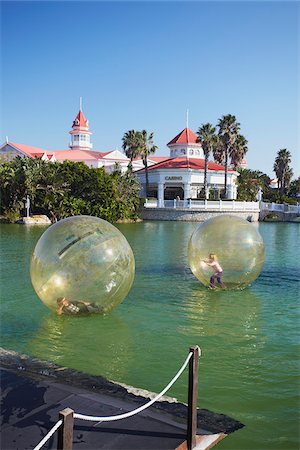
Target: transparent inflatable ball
column 82, row 265
column 231, row 244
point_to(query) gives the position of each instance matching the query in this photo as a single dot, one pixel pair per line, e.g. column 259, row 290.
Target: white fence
column 220, row 205
column 276, row 207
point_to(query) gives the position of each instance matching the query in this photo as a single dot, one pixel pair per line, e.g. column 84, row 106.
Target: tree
column 249, row 182
column 227, row 134
column 207, row 137
column 139, row 144
column 147, row 147
column 282, row 169
column 294, row 190
column 239, row 151
column 65, row 189
column 132, row 144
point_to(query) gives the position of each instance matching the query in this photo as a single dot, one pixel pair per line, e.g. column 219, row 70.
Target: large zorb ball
column 238, row 247
column 82, row 261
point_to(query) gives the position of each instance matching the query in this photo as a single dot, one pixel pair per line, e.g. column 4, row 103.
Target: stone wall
column 190, row 215
column 283, row 216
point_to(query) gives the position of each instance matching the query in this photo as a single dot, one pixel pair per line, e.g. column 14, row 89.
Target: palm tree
column 239, row 150
column 147, row 148
column 228, row 132
column 207, row 137
column 282, row 169
column 131, row 144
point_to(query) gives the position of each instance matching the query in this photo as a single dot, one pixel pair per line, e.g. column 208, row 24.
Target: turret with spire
column 185, row 144
column 80, row 134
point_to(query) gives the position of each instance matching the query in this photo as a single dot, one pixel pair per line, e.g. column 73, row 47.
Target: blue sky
column 141, row 65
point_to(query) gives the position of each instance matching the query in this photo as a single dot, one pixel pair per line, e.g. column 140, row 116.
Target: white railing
column 228, row 205
column 285, row 208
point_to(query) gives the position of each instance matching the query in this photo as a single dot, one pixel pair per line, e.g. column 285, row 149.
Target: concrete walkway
column 31, row 403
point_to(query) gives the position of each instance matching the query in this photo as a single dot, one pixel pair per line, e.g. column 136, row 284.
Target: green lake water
column 249, row 367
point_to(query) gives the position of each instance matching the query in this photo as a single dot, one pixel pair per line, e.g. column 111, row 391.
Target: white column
column 234, row 192
column 187, row 188
column 160, row 195
column 230, row 192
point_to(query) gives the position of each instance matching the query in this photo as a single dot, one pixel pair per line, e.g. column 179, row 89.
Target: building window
column 183, row 151
column 191, row 151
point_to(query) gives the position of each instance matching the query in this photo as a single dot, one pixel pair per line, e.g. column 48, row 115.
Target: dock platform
column 33, row 393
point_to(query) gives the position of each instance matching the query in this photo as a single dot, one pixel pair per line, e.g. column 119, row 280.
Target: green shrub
column 11, row 215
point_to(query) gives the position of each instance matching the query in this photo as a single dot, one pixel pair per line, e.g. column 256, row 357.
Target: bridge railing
column 279, row 207
column 65, row 425
column 221, row 205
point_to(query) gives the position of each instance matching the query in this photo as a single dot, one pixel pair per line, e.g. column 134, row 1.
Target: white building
column 80, row 149
column 182, row 174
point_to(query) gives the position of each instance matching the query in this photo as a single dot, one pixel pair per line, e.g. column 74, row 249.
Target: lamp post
column 27, row 206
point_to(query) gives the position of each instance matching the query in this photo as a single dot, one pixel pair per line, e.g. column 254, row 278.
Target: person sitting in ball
column 69, row 307
column 218, row 271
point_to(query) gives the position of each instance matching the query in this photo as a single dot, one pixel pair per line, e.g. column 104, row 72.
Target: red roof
column 80, row 121
column 28, row 149
column 78, row 155
column 61, row 155
column 157, row 159
column 186, row 136
column 184, row 163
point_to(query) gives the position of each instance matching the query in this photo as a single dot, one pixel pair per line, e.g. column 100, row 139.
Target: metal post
column 27, row 206
column 192, row 398
column 65, row 432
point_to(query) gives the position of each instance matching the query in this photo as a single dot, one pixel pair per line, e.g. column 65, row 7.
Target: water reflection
column 99, row 345
column 233, row 315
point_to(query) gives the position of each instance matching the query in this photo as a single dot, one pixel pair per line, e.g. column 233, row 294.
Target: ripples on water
column 249, row 339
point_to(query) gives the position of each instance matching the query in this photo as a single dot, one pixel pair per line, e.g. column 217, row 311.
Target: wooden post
column 65, row 432
column 192, row 398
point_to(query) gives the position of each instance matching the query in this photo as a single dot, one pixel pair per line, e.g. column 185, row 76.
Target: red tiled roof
column 77, row 155
column 155, row 159
column 82, row 122
column 184, row 163
column 61, row 155
column 186, row 136
column 158, row 159
column 28, row 149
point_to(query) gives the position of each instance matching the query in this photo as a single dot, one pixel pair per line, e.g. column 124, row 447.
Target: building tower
column 80, row 134
column 185, row 145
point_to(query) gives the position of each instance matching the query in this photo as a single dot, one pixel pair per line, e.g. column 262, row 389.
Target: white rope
column 48, row 435
column 141, row 408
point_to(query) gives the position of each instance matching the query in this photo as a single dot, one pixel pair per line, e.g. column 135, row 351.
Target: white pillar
column 234, row 192
column 187, row 188
column 160, row 195
column 230, row 195
column 186, row 195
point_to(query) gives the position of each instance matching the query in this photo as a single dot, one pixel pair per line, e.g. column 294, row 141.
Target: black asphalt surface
column 30, row 407
column 34, row 391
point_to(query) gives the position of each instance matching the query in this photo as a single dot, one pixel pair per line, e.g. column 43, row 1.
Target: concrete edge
column 207, row 420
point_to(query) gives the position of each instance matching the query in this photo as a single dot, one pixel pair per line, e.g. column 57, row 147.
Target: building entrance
column 172, row 192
